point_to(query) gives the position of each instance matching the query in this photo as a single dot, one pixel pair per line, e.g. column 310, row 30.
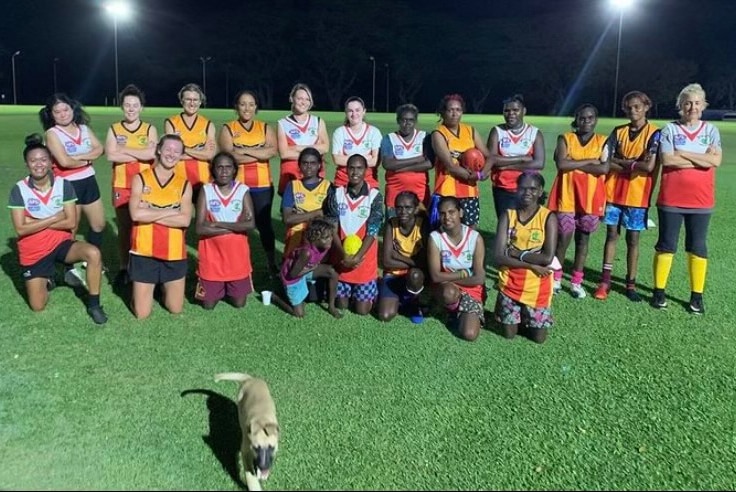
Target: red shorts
column 120, row 197
column 212, row 291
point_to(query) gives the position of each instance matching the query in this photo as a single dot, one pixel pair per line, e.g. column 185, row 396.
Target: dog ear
column 271, row 429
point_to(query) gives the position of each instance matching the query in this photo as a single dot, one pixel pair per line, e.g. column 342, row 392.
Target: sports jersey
column 345, row 142
column 302, row 134
column 577, row 191
column 224, row 257
column 409, row 245
column 41, row 205
column 688, row 188
column 123, row 172
column 522, row 284
column 354, row 214
column 393, row 145
column 157, row 240
column 446, row 185
column 195, row 171
column 306, row 200
column 632, row 189
column 454, row 258
column 254, row 174
column 74, row 145
column 511, row 144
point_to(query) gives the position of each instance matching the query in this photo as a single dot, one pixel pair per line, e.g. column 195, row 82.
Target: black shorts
column 45, row 267
column 147, row 270
column 87, row 190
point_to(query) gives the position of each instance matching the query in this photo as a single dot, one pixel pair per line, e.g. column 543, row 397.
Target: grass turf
column 621, row 396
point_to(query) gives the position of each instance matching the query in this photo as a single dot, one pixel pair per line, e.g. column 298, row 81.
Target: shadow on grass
column 225, row 435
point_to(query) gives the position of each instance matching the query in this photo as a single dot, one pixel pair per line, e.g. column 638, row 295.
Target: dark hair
column 406, row 108
column 164, row 138
column 46, row 113
column 446, row 100
column 34, row 141
column 358, row 156
column 407, row 194
column 307, row 151
column 192, row 87
column 539, row 181
column 317, row 228
column 132, row 90
column 353, row 99
column 224, row 155
column 517, row 98
column 579, row 110
column 241, row 94
column 636, row 94
column 449, row 199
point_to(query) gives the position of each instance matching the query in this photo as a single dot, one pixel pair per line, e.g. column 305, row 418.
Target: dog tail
column 232, row 376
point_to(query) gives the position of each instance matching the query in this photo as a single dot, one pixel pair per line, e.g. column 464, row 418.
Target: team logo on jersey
column 704, row 140
column 535, row 236
column 214, row 206
column 143, row 141
column 70, row 147
column 33, row 205
column 237, row 206
column 87, row 142
column 468, row 256
column 505, row 142
column 526, row 143
column 312, row 132
column 417, row 149
column 363, row 212
column 299, row 197
column 347, row 146
column 680, row 139
column 57, row 202
column 121, row 139
column 398, row 150
column 343, row 209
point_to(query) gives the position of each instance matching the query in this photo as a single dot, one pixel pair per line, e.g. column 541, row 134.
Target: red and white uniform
column 74, row 145
column 454, row 258
column 354, row 215
column 346, row 142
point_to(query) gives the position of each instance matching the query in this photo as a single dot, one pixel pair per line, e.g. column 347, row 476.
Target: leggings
column 262, row 203
column 696, row 231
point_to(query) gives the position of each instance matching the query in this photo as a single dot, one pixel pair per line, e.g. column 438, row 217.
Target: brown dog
column 257, row 416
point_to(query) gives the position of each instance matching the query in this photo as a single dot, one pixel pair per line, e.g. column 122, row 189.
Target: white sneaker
column 577, row 291
column 74, row 279
column 557, row 286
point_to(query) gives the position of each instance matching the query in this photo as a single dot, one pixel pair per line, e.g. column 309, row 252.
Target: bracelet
column 479, row 175
column 632, row 166
column 521, row 256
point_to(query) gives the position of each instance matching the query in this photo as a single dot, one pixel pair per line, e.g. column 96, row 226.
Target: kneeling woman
column 455, row 256
column 43, row 210
column 524, row 250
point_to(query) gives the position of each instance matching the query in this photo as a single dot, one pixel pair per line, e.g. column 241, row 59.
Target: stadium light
column 118, row 10
column 621, row 6
column 373, row 101
column 12, row 62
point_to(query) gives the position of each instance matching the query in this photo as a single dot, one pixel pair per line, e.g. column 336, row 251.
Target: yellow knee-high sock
column 697, row 266
column 662, row 267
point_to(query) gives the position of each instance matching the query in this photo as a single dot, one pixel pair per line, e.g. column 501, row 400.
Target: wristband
column 521, row 256
column 632, row 166
column 479, row 175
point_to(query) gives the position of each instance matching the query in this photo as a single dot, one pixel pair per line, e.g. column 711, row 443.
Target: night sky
column 556, row 52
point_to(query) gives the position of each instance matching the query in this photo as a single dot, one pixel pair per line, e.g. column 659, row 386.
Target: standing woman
column 299, row 130
column 404, row 159
column 690, row 152
column 455, row 258
column 74, row 146
column 130, row 145
column 355, row 136
column 252, row 142
column 578, row 193
column 449, row 141
column 161, row 209
column 43, row 213
column 515, row 147
column 197, row 133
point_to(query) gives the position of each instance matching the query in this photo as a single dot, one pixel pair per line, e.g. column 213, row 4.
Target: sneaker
column 632, row 295
column 73, row 279
column 658, row 299
column 97, row 314
column 601, row 292
column 104, row 267
column 696, row 306
column 50, row 284
column 557, row 286
column 577, row 291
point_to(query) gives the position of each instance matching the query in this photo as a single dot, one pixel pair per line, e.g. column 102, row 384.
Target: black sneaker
column 72, row 278
column 97, row 314
column 658, row 299
column 696, row 306
column 50, row 284
column 634, row 296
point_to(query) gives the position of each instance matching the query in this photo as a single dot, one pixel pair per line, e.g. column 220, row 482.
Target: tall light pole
column 387, row 93
column 56, row 88
column 204, row 60
column 620, row 5
column 12, row 62
column 373, row 101
column 118, row 10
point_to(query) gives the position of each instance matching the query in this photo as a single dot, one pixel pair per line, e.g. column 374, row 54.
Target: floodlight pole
column 373, row 100
column 12, row 62
column 618, row 60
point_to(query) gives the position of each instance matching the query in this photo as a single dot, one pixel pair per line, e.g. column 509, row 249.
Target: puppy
column 257, row 417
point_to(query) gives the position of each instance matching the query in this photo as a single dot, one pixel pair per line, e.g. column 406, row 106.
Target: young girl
column 632, row 151
column 524, row 249
column 578, row 193
column 303, row 264
column 224, row 216
column 404, row 258
column 455, row 257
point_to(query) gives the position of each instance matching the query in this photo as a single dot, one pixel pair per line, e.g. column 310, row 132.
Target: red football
column 473, row 159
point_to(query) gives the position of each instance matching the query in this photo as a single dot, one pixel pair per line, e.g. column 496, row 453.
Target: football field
column 621, row 396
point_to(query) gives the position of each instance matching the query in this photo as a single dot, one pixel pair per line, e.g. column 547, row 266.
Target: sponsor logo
column 70, row 148
column 347, row 146
column 33, row 205
column 505, row 142
column 398, row 150
column 299, row 197
column 343, row 209
column 294, row 133
column 121, row 139
column 680, row 139
column 214, row 206
column 445, row 255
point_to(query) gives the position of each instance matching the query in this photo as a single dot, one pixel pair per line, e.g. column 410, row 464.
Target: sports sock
column 93, row 301
column 95, row 238
column 697, row 266
column 557, row 274
column 577, row 277
column 606, row 275
column 630, row 283
column 662, row 267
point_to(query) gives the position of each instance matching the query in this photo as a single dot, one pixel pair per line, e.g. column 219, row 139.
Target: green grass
column 621, row 396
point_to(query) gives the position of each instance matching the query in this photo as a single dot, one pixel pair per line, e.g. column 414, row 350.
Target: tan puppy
column 257, row 417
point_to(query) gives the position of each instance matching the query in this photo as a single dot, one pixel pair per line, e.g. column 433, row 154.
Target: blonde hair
column 301, row 87
column 690, row 90
column 191, row 87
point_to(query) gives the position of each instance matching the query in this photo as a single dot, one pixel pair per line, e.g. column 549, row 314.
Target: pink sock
column 557, row 274
column 577, row 277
